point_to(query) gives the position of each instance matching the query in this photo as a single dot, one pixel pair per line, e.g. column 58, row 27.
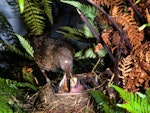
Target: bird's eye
column 66, row 61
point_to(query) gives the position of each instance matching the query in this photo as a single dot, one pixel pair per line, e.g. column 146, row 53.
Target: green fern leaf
column 14, row 84
column 33, row 17
column 135, row 102
column 26, row 45
column 89, row 53
column 104, row 103
column 48, row 9
column 73, row 33
column 98, row 96
column 16, row 50
column 73, row 30
column 87, row 32
column 9, row 94
column 89, row 11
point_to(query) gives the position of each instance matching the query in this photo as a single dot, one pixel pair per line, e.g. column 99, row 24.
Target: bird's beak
column 72, row 78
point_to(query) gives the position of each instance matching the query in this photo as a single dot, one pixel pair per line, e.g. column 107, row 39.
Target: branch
column 97, row 36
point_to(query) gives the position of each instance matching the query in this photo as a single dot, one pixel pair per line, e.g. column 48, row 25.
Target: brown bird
column 53, row 55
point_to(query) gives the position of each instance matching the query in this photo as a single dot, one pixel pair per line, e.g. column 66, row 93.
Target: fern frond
column 73, row 30
column 125, row 65
column 9, row 94
column 87, row 31
column 73, row 33
column 104, row 103
column 89, row 53
column 47, row 4
column 90, row 12
column 33, row 18
column 14, row 83
column 12, row 48
column 98, row 96
column 134, row 102
column 129, row 24
column 110, row 3
column 25, row 45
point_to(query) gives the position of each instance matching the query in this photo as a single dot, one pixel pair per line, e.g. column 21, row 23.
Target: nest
column 46, row 101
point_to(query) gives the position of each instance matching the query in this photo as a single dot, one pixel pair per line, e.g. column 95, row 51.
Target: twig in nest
column 96, row 87
column 96, row 65
column 110, row 81
column 95, row 68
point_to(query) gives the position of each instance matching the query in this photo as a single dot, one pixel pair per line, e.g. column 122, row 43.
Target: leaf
column 48, row 9
column 102, row 53
column 144, row 26
column 34, row 17
column 104, row 103
column 88, row 53
column 135, row 102
column 73, row 33
column 88, row 10
column 21, row 5
column 25, row 45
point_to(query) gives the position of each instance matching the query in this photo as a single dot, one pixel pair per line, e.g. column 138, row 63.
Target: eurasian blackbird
column 53, row 55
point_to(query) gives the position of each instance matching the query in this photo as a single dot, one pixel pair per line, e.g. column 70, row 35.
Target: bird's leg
column 47, row 79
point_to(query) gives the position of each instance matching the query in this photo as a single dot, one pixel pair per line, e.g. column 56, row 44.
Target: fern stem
column 137, row 12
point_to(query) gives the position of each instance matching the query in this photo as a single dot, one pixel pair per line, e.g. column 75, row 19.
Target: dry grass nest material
column 46, row 101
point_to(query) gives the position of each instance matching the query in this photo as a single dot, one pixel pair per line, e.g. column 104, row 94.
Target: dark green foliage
column 73, row 33
column 89, row 53
column 47, row 6
column 12, row 48
column 84, row 35
column 16, row 84
column 89, row 12
column 9, row 94
column 135, row 102
column 7, row 31
column 25, row 45
column 106, row 105
column 33, row 16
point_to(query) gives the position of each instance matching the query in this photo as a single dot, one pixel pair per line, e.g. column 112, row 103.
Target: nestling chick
column 53, row 54
column 75, row 85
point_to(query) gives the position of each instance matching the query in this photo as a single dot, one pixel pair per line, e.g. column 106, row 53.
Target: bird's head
column 75, row 85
